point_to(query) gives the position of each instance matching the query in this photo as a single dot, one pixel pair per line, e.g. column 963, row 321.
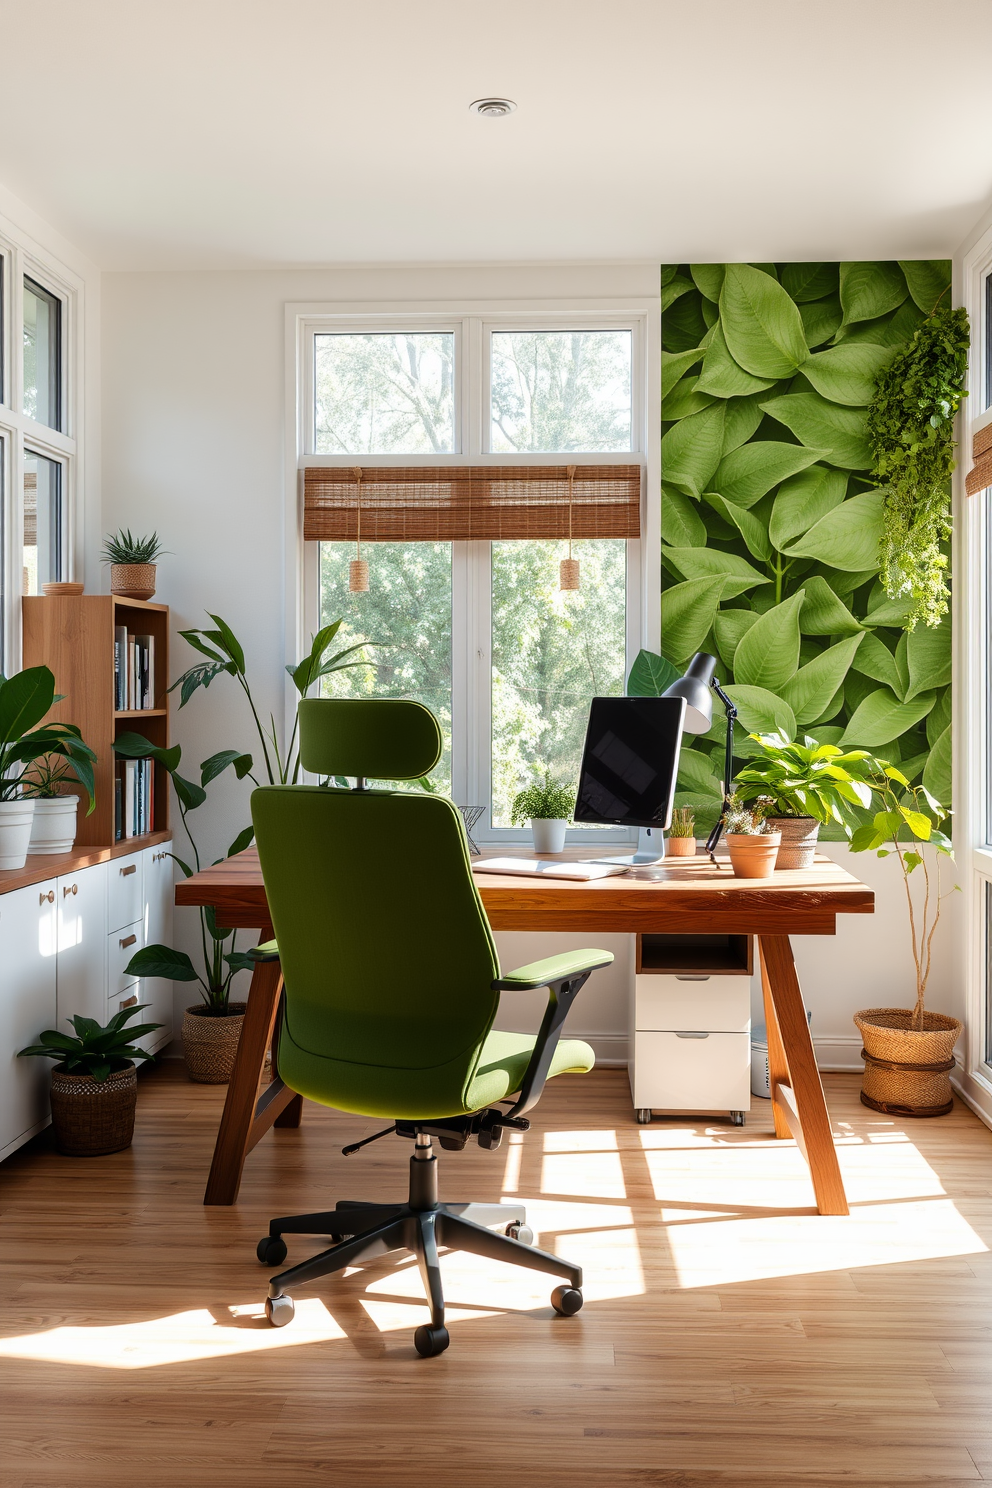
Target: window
column 43, row 522
column 478, row 630
column 42, row 355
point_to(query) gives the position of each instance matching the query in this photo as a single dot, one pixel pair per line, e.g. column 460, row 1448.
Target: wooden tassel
column 358, row 569
column 568, row 568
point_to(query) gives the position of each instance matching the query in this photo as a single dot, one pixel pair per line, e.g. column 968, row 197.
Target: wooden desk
column 684, row 896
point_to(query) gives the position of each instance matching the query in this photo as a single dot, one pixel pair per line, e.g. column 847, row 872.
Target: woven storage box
column 907, row 1070
column 798, row 847
column 91, row 1119
column 210, row 1043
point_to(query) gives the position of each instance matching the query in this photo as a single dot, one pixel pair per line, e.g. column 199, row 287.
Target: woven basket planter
column 210, row 1043
column 907, row 1070
column 799, row 835
column 133, row 580
column 91, row 1119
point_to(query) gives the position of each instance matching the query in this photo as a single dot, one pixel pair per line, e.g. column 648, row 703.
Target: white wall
column 194, row 446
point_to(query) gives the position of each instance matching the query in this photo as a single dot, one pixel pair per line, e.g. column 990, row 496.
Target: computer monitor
column 629, row 764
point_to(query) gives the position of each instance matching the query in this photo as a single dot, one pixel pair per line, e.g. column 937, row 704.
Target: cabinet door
column 28, row 939
column 81, row 905
column 124, row 891
column 158, row 878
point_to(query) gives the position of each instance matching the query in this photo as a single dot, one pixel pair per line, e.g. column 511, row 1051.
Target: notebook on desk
column 547, row 868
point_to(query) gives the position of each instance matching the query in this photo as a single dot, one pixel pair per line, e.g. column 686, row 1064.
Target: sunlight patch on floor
column 584, row 1163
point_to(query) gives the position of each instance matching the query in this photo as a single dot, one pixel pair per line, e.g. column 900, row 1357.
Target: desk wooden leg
column 248, row 1114
column 798, row 1104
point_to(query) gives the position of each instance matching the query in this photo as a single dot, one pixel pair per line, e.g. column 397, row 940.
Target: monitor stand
column 650, row 850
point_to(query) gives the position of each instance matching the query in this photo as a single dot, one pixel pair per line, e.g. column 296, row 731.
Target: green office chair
column 391, row 986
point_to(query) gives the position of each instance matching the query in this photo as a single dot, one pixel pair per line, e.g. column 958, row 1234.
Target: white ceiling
column 235, row 133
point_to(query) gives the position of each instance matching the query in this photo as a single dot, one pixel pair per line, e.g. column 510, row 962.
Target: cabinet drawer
column 718, row 1004
column 124, row 892
column 692, row 1074
column 121, row 946
column 128, row 996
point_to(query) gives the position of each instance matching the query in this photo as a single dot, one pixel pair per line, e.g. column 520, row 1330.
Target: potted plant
column 681, row 837
column 53, row 827
column 803, row 784
column 753, row 850
column 548, row 805
column 95, row 1082
column 24, row 701
column 909, row 1052
column 132, row 563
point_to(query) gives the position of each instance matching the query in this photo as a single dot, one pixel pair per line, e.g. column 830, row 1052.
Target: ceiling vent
column 492, row 108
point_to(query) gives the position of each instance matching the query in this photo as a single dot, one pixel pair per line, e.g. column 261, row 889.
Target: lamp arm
column 728, row 767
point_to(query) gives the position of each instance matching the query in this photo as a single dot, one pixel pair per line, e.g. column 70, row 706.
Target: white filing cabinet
column 28, row 941
column 692, row 1025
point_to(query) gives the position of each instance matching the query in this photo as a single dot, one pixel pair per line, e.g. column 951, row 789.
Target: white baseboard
column 839, row 1053
column 609, row 1048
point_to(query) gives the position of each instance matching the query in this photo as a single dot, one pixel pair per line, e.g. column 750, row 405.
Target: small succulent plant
column 746, row 821
column 122, row 547
column 683, row 823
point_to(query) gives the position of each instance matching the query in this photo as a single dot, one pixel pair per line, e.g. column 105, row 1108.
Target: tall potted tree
column 24, row 701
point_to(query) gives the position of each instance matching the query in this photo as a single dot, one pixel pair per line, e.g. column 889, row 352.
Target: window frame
column 473, row 323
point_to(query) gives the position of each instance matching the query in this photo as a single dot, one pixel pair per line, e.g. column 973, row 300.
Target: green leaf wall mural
column 770, row 520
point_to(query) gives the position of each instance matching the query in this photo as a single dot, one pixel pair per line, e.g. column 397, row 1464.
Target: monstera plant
column 772, row 519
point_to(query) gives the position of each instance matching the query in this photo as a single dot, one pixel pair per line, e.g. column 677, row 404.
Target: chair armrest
column 552, row 970
column 267, row 951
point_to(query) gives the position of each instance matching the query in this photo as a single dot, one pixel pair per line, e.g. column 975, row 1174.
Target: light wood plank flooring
column 730, row 1335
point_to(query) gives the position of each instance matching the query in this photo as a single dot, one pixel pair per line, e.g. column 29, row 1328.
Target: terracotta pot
column 548, row 834
column 753, row 854
column 53, row 827
column 907, row 1069
column 133, row 580
column 799, row 834
column 210, row 1042
column 89, row 1118
column 16, row 818
column 680, row 847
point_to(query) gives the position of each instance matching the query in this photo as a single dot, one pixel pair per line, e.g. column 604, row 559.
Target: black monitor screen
column 630, row 760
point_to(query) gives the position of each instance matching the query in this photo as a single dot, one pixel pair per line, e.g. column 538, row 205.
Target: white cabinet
column 81, row 911
column 28, row 944
column 124, row 899
column 158, row 893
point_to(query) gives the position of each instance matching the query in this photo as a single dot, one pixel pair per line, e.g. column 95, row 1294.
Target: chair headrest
column 379, row 738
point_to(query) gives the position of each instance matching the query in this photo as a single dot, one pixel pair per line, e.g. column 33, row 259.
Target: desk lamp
column 695, row 686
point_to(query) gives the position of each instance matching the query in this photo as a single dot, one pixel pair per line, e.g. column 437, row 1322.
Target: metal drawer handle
column 691, row 978
column 692, row 1035
column 159, row 857
column 66, row 890
column 132, row 938
column 129, row 1001
column 49, row 897
column 132, row 869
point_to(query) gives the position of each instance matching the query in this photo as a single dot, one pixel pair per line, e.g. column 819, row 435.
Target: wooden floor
column 730, row 1335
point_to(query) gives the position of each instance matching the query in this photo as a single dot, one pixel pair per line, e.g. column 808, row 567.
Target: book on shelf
column 134, row 798
column 120, row 668
column 144, row 645
column 134, row 671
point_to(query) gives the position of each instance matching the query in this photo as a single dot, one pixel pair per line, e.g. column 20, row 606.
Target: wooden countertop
column 40, row 866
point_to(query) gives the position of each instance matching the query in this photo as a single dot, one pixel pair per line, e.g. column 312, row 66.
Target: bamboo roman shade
column 470, row 502
column 980, row 475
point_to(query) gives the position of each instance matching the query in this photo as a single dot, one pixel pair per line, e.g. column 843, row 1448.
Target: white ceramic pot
column 549, row 835
column 54, row 827
column 15, row 831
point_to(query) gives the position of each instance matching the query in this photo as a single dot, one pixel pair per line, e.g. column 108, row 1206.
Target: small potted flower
column 95, row 1082
column 53, row 827
column 803, row 785
column 680, row 841
column 753, row 849
column 132, row 563
column 548, row 805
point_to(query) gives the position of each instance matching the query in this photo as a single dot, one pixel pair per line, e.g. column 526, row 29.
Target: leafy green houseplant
column 25, row 699
column 548, row 805
column 132, row 563
column 909, row 1052
column 94, row 1085
column 802, row 786
column 53, row 826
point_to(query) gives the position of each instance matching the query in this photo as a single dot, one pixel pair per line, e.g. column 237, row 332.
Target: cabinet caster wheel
column 520, row 1231
column 279, row 1311
column 737, row 1117
column 643, row 1115
column 566, row 1301
column 271, row 1250
column 430, row 1341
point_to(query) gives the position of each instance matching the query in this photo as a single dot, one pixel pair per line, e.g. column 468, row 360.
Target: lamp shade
column 694, row 686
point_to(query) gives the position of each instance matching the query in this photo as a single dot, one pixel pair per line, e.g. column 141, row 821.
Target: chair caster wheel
column 430, row 1341
column 279, row 1311
column 566, row 1301
column 520, row 1231
column 271, row 1250
column 644, row 1115
column 737, row 1117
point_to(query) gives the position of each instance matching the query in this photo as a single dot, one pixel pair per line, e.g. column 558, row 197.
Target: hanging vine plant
column 910, row 426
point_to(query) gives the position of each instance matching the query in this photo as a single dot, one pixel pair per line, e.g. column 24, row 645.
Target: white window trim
column 23, row 256
column 472, row 321
column 972, row 552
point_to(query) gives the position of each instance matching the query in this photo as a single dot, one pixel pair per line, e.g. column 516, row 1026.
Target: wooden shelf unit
column 74, row 636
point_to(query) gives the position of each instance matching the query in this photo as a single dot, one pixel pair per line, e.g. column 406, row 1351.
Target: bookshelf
column 74, row 635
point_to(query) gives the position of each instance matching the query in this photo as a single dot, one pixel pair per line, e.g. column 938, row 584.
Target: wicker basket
column 799, row 835
column 133, row 580
column 90, row 1118
column 907, row 1070
column 210, row 1043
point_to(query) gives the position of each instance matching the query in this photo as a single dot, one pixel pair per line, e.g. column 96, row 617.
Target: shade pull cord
column 568, row 569
column 358, row 569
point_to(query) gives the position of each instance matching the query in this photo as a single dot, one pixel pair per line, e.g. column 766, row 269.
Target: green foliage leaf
column 681, row 524
column 837, row 433
column 927, row 280
column 650, row 675
column 687, row 612
column 674, row 366
column 768, row 655
column 189, row 794
column 809, row 281
column 761, row 712
column 135, row 746
column 708, row 279
column 25, row 698
column 810, row 692
column 161, row 961
column 741, row 421
column 802, row 500
column 218, row 763
column 868, row 290
column 823, row 613
column 937, row 771
column 675, row 287
column 846, row 373
column 748, row 473
column 846, row 537
column 691, row 450
column 753, row 530
column 881, row 717
column 244, row 839
column 708, row 563
column 821, row 320
column 874, row 659
column 684, row 399
column 722, row 376
column 696, row 773
column 761, row 323
column 928, row 657
column 683, row 325
column 729, row 627
column 938, row 719
column 228, row 641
